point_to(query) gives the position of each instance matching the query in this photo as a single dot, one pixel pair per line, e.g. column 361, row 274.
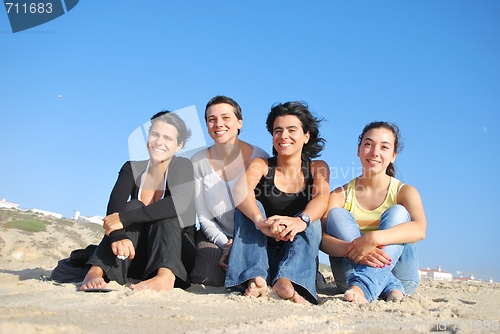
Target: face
column 162, row 141
column 222, row 123
column 288, row 135
column 376, row 150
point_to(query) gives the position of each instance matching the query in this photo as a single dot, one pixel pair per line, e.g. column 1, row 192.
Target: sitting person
column 291, row 190
column 373, row 222
column 149, row 240
column 216, row 172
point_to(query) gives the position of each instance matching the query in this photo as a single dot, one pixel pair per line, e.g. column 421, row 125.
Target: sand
column 32, row 304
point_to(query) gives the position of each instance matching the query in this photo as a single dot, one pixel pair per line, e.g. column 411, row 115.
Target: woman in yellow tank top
column 372, row 224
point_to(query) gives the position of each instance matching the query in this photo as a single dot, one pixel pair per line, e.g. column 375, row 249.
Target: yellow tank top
column 369, row 220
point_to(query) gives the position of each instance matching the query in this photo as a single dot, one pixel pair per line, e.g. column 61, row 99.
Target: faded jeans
column 251, row 256
column 401, row 274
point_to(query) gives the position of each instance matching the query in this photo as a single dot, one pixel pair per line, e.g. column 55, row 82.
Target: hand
column 123, row 247
column 377, row 258
column 112, row 223
column 265, row 227
column 361, row 247
column 286, row 228
column 225, row 254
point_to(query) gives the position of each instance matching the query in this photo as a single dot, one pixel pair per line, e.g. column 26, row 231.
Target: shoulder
column 136, row 166
column 407, row 193
column 199, row 156
column 258, row 165
column 319, row 167
column 180, row 162
column 258, row 152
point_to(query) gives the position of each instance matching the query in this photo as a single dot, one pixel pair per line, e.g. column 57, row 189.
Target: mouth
column 285, row 145
column 372, row 162
column 220, row 133
column 158, row 150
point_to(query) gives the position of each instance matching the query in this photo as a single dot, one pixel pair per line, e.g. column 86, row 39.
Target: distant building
column 46, row 213
column 7, row 205
column 436, row 274
column 89, row 219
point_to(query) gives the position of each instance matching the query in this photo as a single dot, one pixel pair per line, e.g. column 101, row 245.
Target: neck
column 158, row 167
column 371, row 180
column 289, row 164
column 222, row 151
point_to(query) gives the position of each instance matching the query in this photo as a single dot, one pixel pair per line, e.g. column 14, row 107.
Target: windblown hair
column 309, row 122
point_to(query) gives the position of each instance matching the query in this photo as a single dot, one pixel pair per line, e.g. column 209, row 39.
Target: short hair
column 183, row 133
column 225, row 99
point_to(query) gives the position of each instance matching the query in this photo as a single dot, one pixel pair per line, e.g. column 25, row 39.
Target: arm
column 245, row 195
column 329, row 244
column 332, row 246
column 407, row 232
column 208, row 225
column 316, row 206
column 181, row 184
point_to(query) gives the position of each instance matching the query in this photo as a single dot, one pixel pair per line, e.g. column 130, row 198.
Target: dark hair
column 225, row 99
column 183, row 133
column 398, row 143
column 310, row 124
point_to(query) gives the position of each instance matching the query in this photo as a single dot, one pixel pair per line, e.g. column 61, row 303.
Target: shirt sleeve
column 181, row 185
column 208, row 223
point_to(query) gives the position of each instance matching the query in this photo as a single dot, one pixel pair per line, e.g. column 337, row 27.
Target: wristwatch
column 305, row 218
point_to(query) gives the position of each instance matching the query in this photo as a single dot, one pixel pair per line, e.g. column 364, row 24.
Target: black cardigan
column 177, row 202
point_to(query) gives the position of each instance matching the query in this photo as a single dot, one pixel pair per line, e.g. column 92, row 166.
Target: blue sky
column 432, row 67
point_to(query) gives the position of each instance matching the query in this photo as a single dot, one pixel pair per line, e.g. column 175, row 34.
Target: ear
column 358, row 152
column 394, row 157
column 179, row 147
column 307, row 136
column 240, row 124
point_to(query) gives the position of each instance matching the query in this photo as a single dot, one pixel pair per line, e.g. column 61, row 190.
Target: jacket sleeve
column 122, row 190
column 181, row 185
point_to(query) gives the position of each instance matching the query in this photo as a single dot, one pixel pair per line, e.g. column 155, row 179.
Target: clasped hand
column 282, row 228
column 364, row 250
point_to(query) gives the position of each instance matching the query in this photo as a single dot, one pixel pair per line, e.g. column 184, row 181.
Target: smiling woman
column 277, row 228
column 149, row 228
column 372, row 224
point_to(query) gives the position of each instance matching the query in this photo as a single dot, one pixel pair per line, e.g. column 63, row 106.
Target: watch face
column 305, row 218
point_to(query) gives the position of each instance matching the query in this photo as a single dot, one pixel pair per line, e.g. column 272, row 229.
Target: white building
column 436, row 274
column 7, row 205
column 90, row 219
column 46, row 213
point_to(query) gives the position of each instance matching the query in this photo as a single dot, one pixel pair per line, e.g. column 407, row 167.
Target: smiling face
column 222, row 123
column 376, row 150
column 162, row 142
column 288, row 135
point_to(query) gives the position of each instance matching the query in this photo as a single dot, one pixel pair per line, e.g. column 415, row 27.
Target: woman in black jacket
column 150, row 219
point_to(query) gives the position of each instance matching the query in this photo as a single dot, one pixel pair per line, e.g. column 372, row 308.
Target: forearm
column 333, row 246
column 408, row 232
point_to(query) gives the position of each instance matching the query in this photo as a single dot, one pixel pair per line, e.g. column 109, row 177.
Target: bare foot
column 355, row 295
column 94, row 279
column 163, row 281
column 284, row 288
column 256, row 287
column 394, row 296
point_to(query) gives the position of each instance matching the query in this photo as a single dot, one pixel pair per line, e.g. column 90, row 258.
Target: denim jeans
column 252, row 256
column 401, row 275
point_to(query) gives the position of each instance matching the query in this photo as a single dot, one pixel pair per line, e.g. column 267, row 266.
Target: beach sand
column 32, row 304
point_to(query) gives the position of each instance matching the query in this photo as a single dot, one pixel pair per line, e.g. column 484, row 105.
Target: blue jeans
column 252, row 256
column 401, row 275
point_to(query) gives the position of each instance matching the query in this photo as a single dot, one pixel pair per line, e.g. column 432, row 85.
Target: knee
column 335, row 217
column 395, row 215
